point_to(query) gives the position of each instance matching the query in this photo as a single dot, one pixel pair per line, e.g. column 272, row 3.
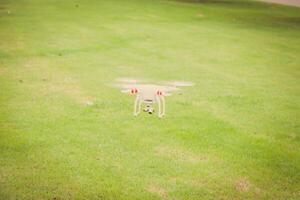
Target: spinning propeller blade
column 129, row 80
column 180, row 84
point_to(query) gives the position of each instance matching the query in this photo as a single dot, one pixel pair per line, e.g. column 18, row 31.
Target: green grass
column 235, row 135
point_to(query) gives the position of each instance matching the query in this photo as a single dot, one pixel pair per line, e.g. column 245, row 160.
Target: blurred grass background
column 234, row 135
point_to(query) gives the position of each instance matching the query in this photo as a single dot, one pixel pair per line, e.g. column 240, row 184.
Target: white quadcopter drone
column 149, row 94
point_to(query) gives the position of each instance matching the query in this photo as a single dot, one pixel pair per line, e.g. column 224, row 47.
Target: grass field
column 234, row 135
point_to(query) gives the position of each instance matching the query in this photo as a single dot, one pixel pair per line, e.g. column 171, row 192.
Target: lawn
column 65, row 133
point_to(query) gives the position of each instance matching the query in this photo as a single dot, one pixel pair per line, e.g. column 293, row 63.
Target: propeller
column 179, row 83
column 129, row 80
column 129, row 89
column 125, row 90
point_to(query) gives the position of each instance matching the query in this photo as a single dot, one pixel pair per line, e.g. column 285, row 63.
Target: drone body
column 149, row 94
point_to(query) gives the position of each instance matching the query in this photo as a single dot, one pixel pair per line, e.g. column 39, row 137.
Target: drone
column 149, row 93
